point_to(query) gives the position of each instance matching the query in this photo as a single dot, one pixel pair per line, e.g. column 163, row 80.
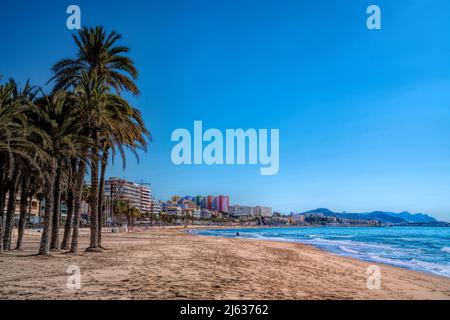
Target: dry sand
column 171, row 264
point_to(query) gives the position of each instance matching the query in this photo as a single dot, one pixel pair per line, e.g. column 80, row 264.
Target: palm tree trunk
column 101, row 191
column 24, row 191
column 11, row 210
column 94, row 193
column 2, row 209
column 70, row 208
column 44, row 247
column 54, row 245
column 70, row 205
column 30, row 202
column 40, row 207
column 79, row 183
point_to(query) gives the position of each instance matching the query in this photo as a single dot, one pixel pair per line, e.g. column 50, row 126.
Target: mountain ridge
column 403, row 217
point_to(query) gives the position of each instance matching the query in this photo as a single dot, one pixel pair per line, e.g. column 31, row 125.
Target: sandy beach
column 172, row 264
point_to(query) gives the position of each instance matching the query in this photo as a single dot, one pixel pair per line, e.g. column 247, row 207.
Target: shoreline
column 318, row 247
column 167, row 263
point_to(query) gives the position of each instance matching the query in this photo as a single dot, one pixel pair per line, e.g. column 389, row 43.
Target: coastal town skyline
column 221, row 203
column 363, row 115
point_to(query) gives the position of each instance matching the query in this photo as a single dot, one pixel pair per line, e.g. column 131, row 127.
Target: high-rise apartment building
column 199, row 200
column 214, row 203
column 223, row 203
column 140, row 196
column 241, row 211
column 209, row 203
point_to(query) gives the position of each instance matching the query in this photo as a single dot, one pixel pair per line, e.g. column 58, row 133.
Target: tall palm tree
column 11, row 120
column 31, row 185
column 112, row 122
column 122, row 128
column 97, row 53
column 99, row 66
column 18, row 152
column 60, row 119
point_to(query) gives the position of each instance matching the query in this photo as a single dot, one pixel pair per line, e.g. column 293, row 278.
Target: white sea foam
column 344, row 248
column 395, row 247
column 437, row 268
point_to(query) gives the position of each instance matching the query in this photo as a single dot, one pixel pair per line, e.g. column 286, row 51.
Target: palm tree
column 97, row 54
column 18, row 150
column 126, row 209
column 59, row 117
column 99, row 66
column 123, row 128
column 46, row 144
column 30, row 186
column 12, row 120
column 113, row 123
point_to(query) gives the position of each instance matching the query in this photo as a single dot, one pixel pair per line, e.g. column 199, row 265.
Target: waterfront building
column 139, row 196
column 205, row 213
column 223, row 203
column 156, row 207
column 174, row 210
column 297, row 218
column 263, row 211
column 241, row 211
column 197, row 213
column 189, row 208
column 277, row 214
column 199, row 200
column 209, row 203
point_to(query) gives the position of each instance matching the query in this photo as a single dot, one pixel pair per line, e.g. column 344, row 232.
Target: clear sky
column 364, row 116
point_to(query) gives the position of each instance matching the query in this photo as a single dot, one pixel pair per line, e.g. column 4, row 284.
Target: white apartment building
column 241, row 211
column 174, row 211
column 140, row 196
column 263, row 211
column 156, row 207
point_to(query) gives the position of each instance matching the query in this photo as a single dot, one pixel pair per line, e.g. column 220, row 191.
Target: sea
column 425, row 249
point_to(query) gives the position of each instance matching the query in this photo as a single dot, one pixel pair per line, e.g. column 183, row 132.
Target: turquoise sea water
column 417, row 248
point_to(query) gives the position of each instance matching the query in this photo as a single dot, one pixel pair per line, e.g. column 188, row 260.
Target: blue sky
column 364, row 116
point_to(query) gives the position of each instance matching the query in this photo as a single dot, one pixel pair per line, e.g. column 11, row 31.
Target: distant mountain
column 418, row 217
column 385, row 217
column 323, row 211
